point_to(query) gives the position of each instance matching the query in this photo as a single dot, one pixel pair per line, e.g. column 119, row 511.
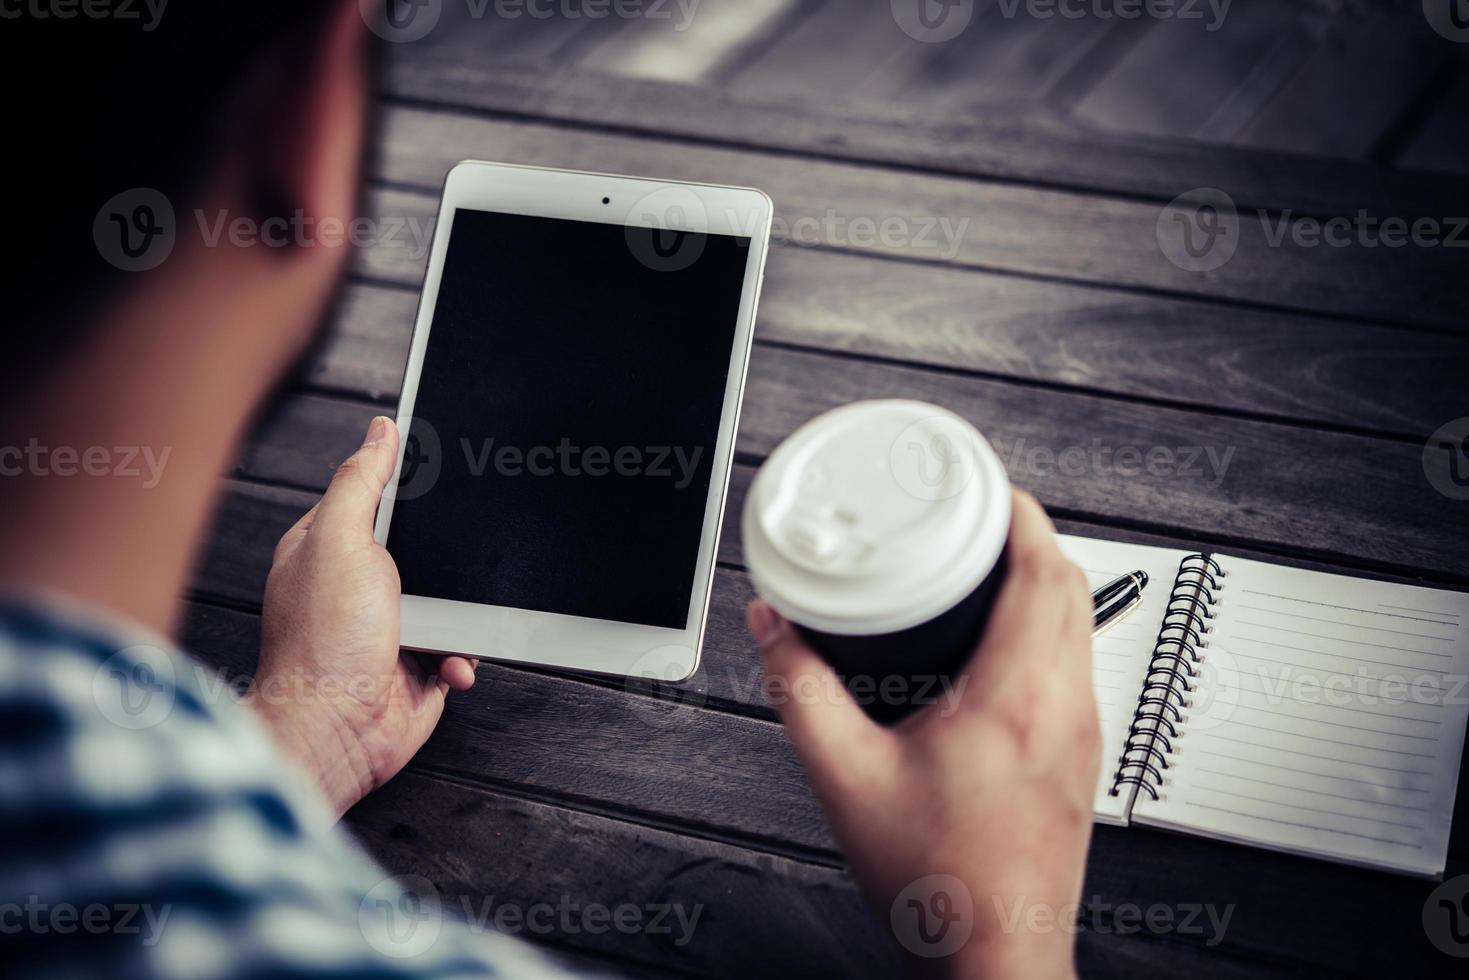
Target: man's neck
column 109, row 471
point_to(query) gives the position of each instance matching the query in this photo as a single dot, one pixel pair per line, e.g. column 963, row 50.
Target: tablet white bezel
column 527, row 636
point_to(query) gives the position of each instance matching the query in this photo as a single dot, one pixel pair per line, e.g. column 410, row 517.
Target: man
column 261, row 111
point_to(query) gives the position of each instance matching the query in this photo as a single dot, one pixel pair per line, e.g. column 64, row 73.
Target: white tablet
column 569, row 410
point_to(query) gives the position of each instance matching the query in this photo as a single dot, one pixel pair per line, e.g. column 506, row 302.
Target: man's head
column 122, row 113
column 246, row 113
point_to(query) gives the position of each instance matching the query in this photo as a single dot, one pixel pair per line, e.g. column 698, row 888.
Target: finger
column 296, row 533
column 349, row 507
column 1024, row 628
column 457, row 672
column 1081, row 616
column 839, row 745
column 428, row 682
column 1074, row 639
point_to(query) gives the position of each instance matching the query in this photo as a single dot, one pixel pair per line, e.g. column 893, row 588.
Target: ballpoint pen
column 1116, row 599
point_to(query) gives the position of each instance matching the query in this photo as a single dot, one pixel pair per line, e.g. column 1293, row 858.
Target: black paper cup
column 879, row 530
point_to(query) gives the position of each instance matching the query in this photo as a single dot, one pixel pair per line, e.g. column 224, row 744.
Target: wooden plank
column 734, row 781
column 1441, row 142
column 252, row 517
column 838, row 52
column 1033, row 147
column 692, row 44
column 1304, row 115
column 1183, row 71
column 757, row 914
column 1010, row 61
column 962, row 222
column 1184, row 352
column 506, row 33
column 525, row 852
column 762, row 916
column 1332, row 496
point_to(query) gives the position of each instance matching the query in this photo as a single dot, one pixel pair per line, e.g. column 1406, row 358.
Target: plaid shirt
column 148, row 829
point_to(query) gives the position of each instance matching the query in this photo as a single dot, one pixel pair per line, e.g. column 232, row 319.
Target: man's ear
column 308, row 122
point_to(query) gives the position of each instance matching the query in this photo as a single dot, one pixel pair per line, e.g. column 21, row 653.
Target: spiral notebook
column 1317, row 714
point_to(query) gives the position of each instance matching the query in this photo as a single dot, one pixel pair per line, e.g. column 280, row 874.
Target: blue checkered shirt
column 148, row 829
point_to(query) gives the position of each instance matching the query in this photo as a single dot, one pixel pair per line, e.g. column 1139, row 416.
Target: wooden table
column 1055, row 320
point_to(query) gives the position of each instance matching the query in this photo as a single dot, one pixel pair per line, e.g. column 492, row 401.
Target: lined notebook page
column 1120, row 656
column 1330, row 720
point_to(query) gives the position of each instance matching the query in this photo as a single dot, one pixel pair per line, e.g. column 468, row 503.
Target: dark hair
column 100, row 105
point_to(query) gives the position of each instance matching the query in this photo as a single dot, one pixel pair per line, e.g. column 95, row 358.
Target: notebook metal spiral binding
column 1168, row 685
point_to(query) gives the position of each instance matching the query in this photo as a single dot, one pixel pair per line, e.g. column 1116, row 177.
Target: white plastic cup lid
column 875, row 517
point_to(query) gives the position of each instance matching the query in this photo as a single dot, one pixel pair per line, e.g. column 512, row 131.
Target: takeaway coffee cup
column 879, row 530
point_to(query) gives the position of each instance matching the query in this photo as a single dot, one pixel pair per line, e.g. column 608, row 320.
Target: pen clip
column 1115, row 614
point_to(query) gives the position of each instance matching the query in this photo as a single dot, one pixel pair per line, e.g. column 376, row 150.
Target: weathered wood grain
column 737, row 783
column 1402, row 57
column 1441, row 142
column 481, row 845
column 252, row 517
column 692, row 45
column 1327, row 495
column 965, row 222
column 1182, row 71
column 1026, row 146
column 475, row 843
column 1188, row 353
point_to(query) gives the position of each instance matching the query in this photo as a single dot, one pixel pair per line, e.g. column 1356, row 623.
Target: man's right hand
column 996, row 792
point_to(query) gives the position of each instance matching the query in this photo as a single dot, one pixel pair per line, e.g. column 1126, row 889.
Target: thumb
column 840, row 746
column 350, row 505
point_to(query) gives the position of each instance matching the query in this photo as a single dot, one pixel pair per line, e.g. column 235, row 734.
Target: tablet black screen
column 561, row 453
